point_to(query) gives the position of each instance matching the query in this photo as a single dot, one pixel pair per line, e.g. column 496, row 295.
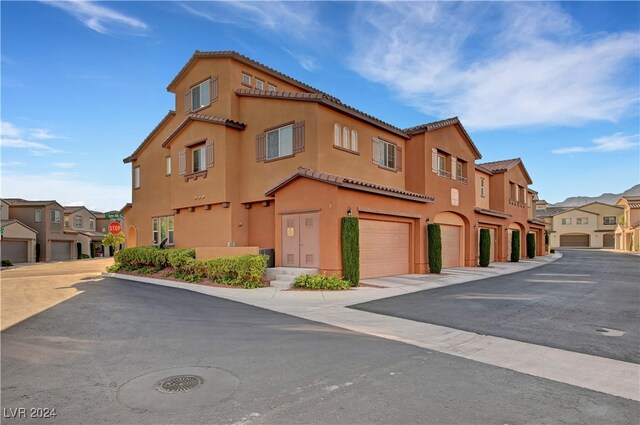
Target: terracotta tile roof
column 536, row 221
column 444, row 123
column 326, row 100
column 204, row 118
column 634, row 205
column 240, row 58
column 551, row 211
column 166, row 118
column 484, row 170
column 5, row 223
column 19, row 202
column 349, row 183
column 506, row 165
column 492, row 213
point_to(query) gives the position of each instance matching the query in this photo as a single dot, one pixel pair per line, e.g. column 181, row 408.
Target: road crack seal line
column 478, row 337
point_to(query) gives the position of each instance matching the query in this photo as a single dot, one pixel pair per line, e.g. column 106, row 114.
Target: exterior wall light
column 349, row 212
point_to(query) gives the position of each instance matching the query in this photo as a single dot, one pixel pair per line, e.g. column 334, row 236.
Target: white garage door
column 60, row 250
column 16, row 251
column 450, row 236
column 384, row 248
column 574, row 240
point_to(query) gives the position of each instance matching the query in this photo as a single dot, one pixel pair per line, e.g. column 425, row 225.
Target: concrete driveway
column 30, row 289
column 586, row 302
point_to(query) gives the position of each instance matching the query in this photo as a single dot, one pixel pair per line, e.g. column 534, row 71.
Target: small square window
column 259, row 84
column 246, row 79
column 55, row 216
column 272, row 87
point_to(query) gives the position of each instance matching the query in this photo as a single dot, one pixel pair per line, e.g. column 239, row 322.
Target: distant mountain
column 605, row 198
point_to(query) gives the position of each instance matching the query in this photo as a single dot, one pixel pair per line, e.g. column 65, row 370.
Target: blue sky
column 556, row 84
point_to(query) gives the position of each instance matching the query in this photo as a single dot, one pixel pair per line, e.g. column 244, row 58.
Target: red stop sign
column 115, row 227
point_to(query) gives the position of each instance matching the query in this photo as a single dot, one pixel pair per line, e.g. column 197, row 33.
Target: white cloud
column 8, row 130
column 64, row 165
column 99, row 18
column 11, row 164
column 531, row 66
column 20, row 138
column 43, row 134
column 613, row 143
column 34, row 147
column 291, row 19
column 66, row 190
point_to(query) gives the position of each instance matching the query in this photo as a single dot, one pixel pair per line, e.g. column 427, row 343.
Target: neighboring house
column 18, row 241
column 83, row 221
column 47, row 219
column 252, row 157
column 587, row 226
column 627, row 231
column 102, row 226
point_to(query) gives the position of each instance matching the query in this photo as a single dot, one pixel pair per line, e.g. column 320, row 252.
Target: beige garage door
column 450, row 245
column 609, row 240
column 384, row 248
column 574, row 240
column 16, row 251
column 60, row 250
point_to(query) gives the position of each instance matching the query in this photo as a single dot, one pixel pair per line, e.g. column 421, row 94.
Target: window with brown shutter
column 387, row 154
column 261, row 151
column 209, row 153
column 298, row 137
column 201, row 95
column 187, row 102
column 398, row 158
column 214, row 89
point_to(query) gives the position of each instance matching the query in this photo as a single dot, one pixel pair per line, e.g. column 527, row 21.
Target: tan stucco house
column 17, row 240
column 589, row 226
column 251, row 157
column 627, row 232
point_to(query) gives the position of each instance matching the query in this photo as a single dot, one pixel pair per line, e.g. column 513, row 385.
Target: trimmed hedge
column 243, row 270
column 515, row 246
column 142, row 256
column 531, row 245
column 485, row 247
column 179, row 257
column 351, row 250
column 321, row 281
column 435, row 248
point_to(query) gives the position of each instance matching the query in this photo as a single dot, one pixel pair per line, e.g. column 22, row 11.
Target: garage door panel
column 609, row 240
column 60, row 250
column 580, row 240
column 450, row 236
column 16, row 251
column 384, row 248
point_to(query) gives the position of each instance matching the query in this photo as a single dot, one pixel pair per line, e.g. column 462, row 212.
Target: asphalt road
column 587, row 302
column 97, row 356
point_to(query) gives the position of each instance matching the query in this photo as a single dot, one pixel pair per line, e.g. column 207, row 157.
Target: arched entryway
column 132, row 237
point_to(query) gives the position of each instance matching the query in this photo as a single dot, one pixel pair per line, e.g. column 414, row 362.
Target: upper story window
column 259, row 84
column 461, row 171
column 354, row 140
column 199, row 155
column 198, row 159
column 608, row 220
column 387, row 154
column 66, row 223
column 201, row 95
column 136, row 177
column 337, row 135
column 272, row 87
column 582, row 220
column 246, row 79
column 38, row 216
column 345, row 138
column 566, row 221
column 168, row 165
column 442, row 166
column 77, row 221
column 55, row 216
column 482, row 187
column 92, row 223
column 517, row 192
column 280, row 142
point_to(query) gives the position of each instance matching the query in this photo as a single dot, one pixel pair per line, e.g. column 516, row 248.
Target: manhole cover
column 179, row 384
column 178, row 389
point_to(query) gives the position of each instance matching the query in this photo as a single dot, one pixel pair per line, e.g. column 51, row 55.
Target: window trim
column 279, row 156
column 192, row 88
column 55, row 216
column 259, row 81
column 271, row 87
column 38, row 215
column 604, row 220
column 92, row 223
column 482, row 187
column 77, row 221
column 157, row 220
column 385, row 164
column 249, row 77
column 566, row 221
column 202, row 159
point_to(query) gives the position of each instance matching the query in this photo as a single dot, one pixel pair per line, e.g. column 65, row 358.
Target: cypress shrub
column 351, row 250
column 485, row 247
column 79, row 250
column 92, row 250
column 515, row 246
column 531, row 245
column 37, row 252
column 435, row 248
column 546, row 237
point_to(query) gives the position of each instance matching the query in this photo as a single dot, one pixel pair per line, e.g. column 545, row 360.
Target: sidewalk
column 600, row 374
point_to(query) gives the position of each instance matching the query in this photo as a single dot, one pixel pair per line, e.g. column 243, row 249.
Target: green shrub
column 179, row 257
column 7, row 263
column 515, row 246
column 435, row 248
column 244, row 270
column 84, row 256
column 147, row 270
column 531, row 245
column 351, row 250
column 546, row 237
column 321, row 281
column 485, row 247
column 115, row 268
column 92, row 250
column 142, row 256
